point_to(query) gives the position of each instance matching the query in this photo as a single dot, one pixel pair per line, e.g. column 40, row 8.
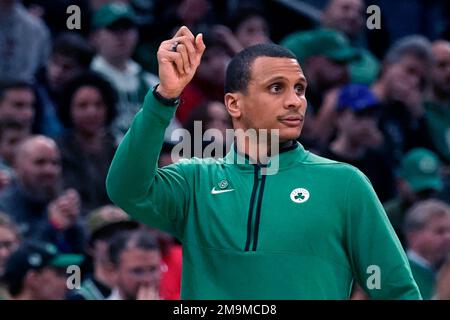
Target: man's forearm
column 133, row 167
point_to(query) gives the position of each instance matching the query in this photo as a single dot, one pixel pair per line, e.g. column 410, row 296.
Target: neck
column 89, row 141
column 344, row 148
column 260, row 149
column 118, row 63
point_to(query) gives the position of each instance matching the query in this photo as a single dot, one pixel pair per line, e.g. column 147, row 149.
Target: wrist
column 166, row 94
column 164, row 98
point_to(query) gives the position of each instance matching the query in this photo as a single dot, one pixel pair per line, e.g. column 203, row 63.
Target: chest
column 251, row 212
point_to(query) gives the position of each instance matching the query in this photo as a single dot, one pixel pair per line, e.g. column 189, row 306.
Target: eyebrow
column 280, row 78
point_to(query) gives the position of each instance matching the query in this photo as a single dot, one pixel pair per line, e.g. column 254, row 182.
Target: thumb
column 199, row 44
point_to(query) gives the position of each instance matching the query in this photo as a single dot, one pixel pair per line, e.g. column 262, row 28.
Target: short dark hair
column 73, row 45
column 239, row 69
column 122, row 241
column 415, row 45
column 90, row 79
column 6, row 85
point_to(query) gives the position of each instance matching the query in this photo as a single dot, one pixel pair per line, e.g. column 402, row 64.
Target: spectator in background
column 36, row 201
column 437, row 101
column 37, row 271
column 250, row 26
column 358, row 137
column 87, row 147
column 9, row 239
column 115, row 37
column 400, row 87
column 247, row 26
column 17, row 102
column 102, row 225
column 171, row 264
column 137, row 260
column 427, row 230
column 348, row 17
column 11, row 133
column 324, row 55
column 24, row 42
column 418, row 179
column 71, row 55
column 172, row 14
column 209, row 115
column 442, row 291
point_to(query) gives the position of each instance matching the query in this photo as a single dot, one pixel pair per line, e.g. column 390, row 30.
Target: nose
column 294, row 100
column 51, row 168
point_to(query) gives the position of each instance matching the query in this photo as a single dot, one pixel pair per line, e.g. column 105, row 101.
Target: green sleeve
column 373, row 246
column 156, row 197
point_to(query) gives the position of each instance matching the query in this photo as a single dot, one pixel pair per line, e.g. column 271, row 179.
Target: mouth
column 292, row 121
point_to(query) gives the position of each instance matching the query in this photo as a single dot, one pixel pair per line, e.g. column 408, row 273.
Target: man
column 137, row 260
column 437, row 100
column 427, row 230
column 102, row 224
column 37, row 271
column 400, row 87
column 302, row 232
column 115, row 36
column 17, row 99
column 24, row 42
column 11, row 133
column 71, row 55
column 9, row 239
column 419, row 178
column 348, row 17
column 35, row 199
column 358, row 137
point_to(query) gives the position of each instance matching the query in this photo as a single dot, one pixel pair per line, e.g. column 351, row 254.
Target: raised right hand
column 177, row 68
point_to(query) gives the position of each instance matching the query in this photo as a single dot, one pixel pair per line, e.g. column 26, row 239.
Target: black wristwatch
column 165, row 101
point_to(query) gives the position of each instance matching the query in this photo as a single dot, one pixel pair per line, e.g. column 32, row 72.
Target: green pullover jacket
column 306, row 232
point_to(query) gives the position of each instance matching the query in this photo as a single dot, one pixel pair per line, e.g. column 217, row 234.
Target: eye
column 300, row 89
column 275, row 88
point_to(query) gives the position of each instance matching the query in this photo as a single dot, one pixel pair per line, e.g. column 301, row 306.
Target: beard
column 43, row 193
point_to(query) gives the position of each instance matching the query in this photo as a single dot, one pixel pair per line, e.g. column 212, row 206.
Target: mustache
column 292, row 116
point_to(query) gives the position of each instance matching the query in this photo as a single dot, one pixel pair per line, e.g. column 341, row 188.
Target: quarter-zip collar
column 288, row 155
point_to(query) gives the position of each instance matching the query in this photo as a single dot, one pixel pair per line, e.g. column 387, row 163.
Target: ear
column 232, row 104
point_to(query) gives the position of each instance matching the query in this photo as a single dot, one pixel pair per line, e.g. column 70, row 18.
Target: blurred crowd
column 377, row 99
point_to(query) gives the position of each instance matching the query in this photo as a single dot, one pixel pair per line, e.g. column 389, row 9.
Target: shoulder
column 34, row 24
column 330, row 166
